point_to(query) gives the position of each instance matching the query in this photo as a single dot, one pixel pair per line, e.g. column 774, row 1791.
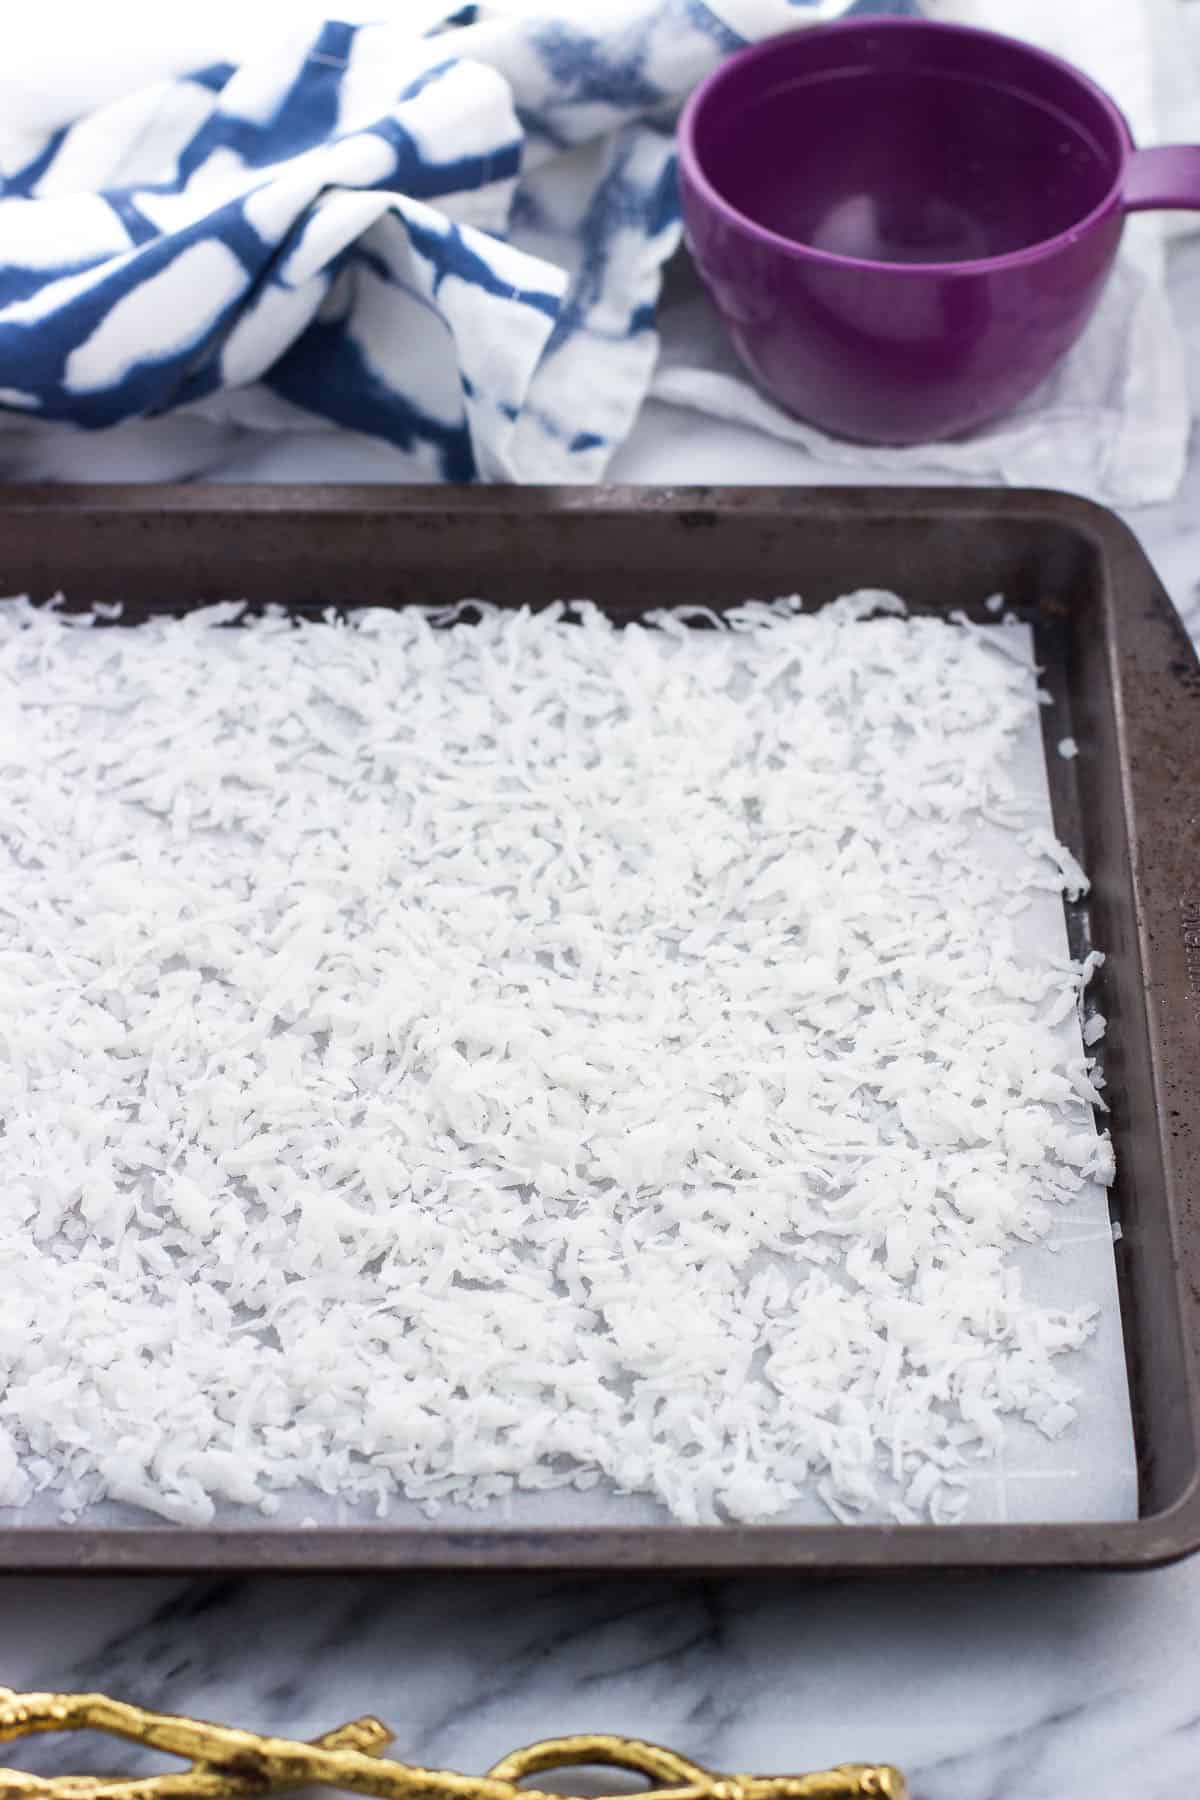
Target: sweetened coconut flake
column 443, row 1062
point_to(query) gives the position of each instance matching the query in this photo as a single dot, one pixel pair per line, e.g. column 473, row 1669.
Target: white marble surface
column 1033, row 1688
column 1026, row 1688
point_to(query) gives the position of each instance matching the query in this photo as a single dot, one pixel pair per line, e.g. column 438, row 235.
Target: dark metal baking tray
column 1126, row 685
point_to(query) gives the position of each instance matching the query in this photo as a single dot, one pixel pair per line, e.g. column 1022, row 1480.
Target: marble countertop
column 1021, row 1688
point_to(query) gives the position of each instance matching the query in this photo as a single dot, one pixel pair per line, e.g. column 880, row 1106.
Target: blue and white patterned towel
column 446, row 232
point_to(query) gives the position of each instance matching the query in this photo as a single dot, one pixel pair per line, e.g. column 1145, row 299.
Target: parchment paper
column 1088, row 1474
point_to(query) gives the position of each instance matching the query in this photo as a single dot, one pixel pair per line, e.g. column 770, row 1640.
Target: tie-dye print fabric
column 446, row 232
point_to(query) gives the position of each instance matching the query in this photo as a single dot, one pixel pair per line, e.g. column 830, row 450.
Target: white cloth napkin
column 351, row 311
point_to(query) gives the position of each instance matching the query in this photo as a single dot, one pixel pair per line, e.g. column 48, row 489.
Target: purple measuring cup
column 904, row 224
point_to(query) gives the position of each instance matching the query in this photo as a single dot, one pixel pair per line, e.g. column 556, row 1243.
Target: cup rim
column 692, row 165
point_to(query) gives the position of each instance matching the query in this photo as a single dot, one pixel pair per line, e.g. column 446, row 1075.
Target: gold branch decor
column 230, row 1764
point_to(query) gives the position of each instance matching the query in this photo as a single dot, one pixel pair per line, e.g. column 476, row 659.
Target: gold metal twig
column 229, row 1764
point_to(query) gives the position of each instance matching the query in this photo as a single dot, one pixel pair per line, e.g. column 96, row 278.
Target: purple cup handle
column 1167, row 176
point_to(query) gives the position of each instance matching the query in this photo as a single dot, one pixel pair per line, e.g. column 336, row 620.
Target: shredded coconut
column 457, row 1061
